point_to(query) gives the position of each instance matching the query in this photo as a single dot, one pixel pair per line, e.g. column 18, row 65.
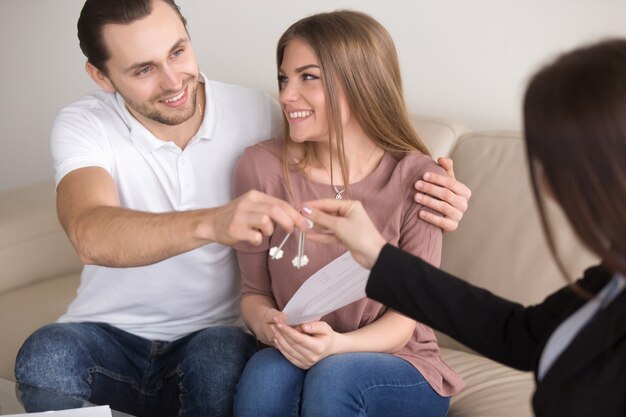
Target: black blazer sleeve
column 497, row 328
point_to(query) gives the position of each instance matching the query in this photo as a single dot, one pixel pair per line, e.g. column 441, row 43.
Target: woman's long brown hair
column 575, row 128
column 358, row 59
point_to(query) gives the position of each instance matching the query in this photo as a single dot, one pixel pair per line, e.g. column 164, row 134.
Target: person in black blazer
column 575, row 340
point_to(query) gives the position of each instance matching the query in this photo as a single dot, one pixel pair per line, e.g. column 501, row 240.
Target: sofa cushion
column 491, row 389
column 24, row 310
column 33, row 246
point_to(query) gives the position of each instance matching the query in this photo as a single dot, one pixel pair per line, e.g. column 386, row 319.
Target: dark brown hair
column 358, row 59
column 97, row 13
column 575, row 127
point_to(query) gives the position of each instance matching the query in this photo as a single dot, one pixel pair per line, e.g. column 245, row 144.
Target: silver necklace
column 338, row 193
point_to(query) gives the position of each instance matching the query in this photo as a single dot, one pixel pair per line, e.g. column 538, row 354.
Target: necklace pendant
column 338, row 193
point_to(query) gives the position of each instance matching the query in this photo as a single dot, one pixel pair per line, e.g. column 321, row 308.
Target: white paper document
column 101, row 411
column 338, row 284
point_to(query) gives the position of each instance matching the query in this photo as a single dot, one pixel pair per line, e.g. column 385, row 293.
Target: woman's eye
column 282, row 79
column 309, row 77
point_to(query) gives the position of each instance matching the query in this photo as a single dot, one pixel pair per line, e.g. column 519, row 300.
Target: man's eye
column 143, row 71
column 178, row 52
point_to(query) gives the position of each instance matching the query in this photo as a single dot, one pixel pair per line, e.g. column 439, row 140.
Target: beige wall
column 465, row 60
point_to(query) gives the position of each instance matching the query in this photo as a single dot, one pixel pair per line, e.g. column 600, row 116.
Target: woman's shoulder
column 264, row 153
column 258, row 166
column 413, row 165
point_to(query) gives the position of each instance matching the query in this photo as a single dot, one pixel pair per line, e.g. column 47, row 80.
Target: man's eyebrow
column 139, row 65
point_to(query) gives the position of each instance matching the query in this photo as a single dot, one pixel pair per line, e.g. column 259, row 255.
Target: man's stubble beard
column 150, row 111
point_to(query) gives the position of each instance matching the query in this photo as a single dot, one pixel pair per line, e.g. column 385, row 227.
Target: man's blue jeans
column 353, row 384
column 192, row 376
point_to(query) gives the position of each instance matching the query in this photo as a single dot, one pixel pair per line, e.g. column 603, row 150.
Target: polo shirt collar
column 147, row 142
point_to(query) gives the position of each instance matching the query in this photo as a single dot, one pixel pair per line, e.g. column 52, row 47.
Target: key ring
column 300, row 260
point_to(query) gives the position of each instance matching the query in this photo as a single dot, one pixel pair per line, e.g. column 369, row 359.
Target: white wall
column 464, row 60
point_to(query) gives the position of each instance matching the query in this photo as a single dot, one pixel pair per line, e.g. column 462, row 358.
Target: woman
column 575, row 341
column 347, row 135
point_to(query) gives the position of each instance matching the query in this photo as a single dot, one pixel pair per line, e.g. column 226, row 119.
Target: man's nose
column 169, row 79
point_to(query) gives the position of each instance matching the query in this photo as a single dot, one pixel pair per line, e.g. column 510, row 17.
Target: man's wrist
column 204, row 229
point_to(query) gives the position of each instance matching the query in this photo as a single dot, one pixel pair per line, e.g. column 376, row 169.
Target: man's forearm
column 118, row 237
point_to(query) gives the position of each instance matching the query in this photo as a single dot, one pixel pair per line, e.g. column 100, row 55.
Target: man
column 143, row 172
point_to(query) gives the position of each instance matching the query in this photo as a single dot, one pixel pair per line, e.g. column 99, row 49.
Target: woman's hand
column 349, row 224
column 260, row 312
column 306, row 344
column 264, row 328
column 445, row 195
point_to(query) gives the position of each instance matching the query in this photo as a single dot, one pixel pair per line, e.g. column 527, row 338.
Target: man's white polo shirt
column 191, row 291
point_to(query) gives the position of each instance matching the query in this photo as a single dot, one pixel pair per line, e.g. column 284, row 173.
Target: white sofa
column 498, row 245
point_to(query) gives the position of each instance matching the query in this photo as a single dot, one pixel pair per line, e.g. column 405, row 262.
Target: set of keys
column 300, row 259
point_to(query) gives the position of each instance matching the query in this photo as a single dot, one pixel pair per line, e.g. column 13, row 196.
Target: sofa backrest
column 499, row 244
column 440, row 135
column 33, row 246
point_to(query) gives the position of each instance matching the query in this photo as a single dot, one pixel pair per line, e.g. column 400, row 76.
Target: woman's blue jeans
column 192, row 376
column 353, row 384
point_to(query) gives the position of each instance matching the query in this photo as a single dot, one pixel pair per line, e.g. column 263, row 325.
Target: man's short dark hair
column 97, row 13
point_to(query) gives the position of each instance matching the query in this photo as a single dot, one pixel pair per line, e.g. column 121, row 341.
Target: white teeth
column 300, row 114
column 178, row 97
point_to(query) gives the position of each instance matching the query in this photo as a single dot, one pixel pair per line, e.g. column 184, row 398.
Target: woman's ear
column 99, row 77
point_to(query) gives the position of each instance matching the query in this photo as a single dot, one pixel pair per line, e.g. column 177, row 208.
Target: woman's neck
column 362, row 156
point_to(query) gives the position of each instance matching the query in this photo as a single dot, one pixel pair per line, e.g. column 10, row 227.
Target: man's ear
column 100, row 78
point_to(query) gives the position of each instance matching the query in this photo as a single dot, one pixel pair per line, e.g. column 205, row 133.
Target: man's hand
column 104, row 233
column 250, row 217
column 444, row 194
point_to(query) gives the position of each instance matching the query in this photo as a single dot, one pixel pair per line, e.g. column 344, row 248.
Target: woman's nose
column 289, row 93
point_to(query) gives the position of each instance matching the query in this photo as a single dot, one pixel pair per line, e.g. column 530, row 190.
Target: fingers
column 316, row 327
column 439, row 206
column 326, row 215
column 443, row 187
column 294, row 337
column 449, row 180
column 277, row 210
column 287, row 350
column 349, row 223
column 322, row 220
column 326, row 212
column 294, row 352
column 449, row 206
column 258, row 221
column 446, row 224
column 447, row 216
column 447, row 164
column 305, row 348
column 254, row 215
column 445, row 195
